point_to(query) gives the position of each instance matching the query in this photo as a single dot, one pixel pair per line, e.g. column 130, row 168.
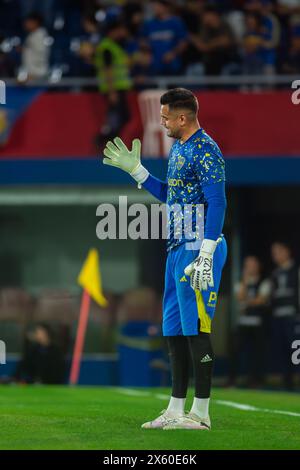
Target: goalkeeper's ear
column 136, row 146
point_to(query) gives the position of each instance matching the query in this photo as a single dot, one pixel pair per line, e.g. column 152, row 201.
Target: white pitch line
column 133, row 393
column 141, row 393
column 244, row 407
column 232, row 404
column 162, row 396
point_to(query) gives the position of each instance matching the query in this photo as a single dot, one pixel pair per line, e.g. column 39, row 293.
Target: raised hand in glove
column 120, row 156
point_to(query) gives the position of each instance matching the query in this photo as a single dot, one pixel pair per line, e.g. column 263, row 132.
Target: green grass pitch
column 38, row 417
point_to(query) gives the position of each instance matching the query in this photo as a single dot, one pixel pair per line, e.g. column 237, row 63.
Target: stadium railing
column 167, row 81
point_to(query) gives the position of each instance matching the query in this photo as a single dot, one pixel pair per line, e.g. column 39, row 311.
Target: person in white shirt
column 35, row 51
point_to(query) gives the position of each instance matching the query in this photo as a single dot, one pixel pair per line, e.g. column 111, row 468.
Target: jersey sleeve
column 216, row 208
column 210, row 168
column 156, row 187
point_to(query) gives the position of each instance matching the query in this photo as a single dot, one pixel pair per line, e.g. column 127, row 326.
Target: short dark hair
column 166, row 3
column 36, row 17
column 212, row 9
column 114, row 24
column 90, row 18
column 180, row 98
column 282, row 242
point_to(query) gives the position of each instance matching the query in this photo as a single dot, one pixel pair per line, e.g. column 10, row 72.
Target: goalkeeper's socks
column 179, row 360
column 203, row 359
column 200, row 407
column 176, row 406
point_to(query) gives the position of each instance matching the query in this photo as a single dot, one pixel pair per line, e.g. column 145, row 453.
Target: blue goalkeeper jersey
column 193, row 167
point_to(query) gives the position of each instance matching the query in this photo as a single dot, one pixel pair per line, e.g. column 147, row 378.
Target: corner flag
column 90, row 279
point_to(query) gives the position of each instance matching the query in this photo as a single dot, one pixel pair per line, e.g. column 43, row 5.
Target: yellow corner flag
column 90, row 278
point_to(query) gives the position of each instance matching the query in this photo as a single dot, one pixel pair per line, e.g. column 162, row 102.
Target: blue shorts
column 185, row 311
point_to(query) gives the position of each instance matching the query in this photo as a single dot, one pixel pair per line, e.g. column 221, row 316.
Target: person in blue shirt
column 195, row 179
column 166, row 36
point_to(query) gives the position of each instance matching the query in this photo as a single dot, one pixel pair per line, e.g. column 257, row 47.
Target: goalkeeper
column 196, row 175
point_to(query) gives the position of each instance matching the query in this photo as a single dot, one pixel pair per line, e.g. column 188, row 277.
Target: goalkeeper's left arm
column 201, row 269
column 120, row 156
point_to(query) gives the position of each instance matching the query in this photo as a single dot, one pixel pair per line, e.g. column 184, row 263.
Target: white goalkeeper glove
column 120, row 156
column 201, row 269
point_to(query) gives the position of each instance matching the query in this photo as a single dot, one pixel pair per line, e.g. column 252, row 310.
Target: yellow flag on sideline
column 90, row 278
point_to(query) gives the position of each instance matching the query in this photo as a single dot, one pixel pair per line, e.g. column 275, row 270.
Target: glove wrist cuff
column 208, row 246
column 140, row 174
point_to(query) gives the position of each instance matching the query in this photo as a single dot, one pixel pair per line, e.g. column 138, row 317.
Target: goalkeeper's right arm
column 120, row 156
column 156, row 187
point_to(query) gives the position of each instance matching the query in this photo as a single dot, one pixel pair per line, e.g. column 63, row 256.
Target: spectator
column 253, row 61
column 236, row 20
column 35, row 51
column 42, row 360
column 87, row 47
column 191, row 13
column 113, row 67
column 133, row 15
column 215, row 42
column 140, row 54
column 270, row 32
column 292, row 64
column 289, row 7
column 288, row 12
column 7, row 65
column 252, row 295
column 91, row 30
column 285, row 307
column 165, row 35
column 44, row 8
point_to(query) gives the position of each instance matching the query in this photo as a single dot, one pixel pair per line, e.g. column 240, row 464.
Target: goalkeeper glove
column 120, row 156
column 201, row 269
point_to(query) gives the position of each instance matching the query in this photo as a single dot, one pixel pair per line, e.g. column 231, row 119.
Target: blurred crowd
column 42, row 328
column 268, row 320
column 259, row 348
column 148, row 38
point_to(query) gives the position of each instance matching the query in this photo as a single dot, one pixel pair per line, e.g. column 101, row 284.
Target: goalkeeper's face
column 173, row 121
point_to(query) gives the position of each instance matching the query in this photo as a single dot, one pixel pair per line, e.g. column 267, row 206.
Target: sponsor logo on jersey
column 175, row 182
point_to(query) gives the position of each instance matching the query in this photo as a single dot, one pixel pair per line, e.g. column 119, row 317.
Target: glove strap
column 140, row 174
column 208, row 246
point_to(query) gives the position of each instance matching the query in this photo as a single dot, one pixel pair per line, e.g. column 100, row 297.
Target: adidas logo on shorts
column 206, row 358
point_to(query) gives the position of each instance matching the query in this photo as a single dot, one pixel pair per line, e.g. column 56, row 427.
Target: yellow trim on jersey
column 205, row 321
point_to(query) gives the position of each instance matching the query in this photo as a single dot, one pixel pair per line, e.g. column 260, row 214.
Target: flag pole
column 80, row 335
column 90, row 280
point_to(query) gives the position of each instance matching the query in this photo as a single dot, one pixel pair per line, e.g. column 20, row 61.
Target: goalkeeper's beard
column 174, row 134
